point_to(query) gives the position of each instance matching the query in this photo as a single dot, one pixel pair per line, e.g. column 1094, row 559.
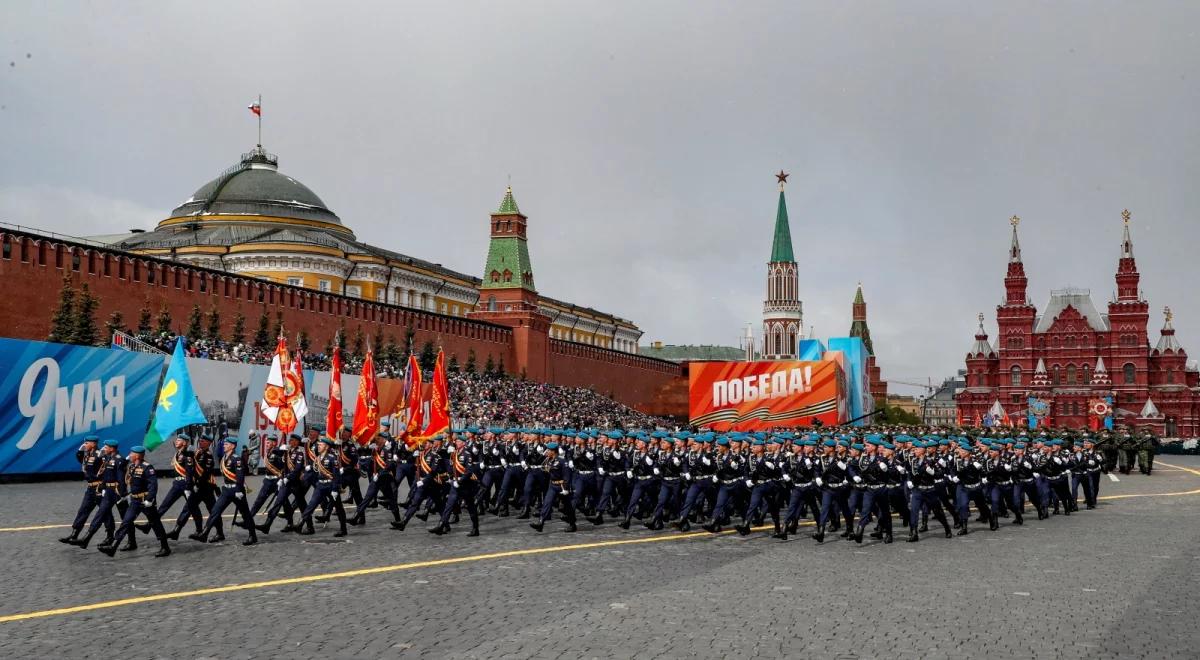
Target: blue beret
column 138, row 450
column 615, row 435
column 316, row 427
column 723, row 441
column 109, row 442
column 758, row 442
column 91, row 438
column 326, row 439
column 858, row 445
column 1019, row 445
column 551, row 445
column 385, row 423
column 830, row 443
column 230, row 439
column 843, row 443
column 888, row 445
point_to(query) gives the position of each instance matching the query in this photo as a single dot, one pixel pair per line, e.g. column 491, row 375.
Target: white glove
column 187, row 493
column 820, row 481
column 928, row 470
column 375, row 478
column 954, row 478
column 903, row 470
column 239, row 495
column 524, row 465
column 308, row 468
column 883, row 464
column 984, row 480
column 454, row 484
column 787, row 477
column 571, row 464
column 1007, row 467
column 566, row 492
column 857, row 479
column 687, row 475
column 600, row 470
column 714, row 478
column 420, row 482
column 656, row 472
column 977, row 466
column 841, row 464
column 769, row 464
column 628, row 474
column 705, row 461
column 749, row 484
column 909, row 483
column 503, row 463
column 675, row 460
column 588, row 453
column 148, row 504
column 617, row 455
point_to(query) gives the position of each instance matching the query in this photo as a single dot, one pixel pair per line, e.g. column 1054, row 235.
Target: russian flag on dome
column 256, row 108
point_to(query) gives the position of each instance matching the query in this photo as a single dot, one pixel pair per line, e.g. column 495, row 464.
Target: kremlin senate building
column 1073, row 365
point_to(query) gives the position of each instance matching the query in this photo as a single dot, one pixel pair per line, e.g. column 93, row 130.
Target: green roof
column 858, row 297
column 702, row 353
column 508, row 254
column 781, row 248
column 508, row 205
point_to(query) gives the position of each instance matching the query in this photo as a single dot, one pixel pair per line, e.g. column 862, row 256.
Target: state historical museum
column 1079, row 360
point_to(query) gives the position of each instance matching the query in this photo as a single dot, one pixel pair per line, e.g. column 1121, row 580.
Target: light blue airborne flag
column 177, row 405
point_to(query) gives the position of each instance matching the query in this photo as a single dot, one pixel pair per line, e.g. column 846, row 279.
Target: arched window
column 1130, row 373
column 495, row 276
column 1015, row 376
column 1070, row 374
column 1170, row 376
column 1087, row 375
column 1057, row 378
column 507, row 275
column 491, row 303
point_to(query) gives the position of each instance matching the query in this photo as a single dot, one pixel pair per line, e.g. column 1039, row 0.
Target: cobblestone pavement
column 1115, row 582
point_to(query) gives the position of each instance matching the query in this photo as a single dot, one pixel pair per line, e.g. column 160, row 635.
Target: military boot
column 819, row 535
column 912, row 536
column 69, row 539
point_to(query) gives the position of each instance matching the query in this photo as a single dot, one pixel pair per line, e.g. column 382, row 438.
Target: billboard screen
column 751, row 396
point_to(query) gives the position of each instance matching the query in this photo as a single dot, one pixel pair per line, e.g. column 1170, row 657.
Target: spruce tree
column 84, row 332
column 341, row 336
column 144, row 319
column 428, row 357
column 195, row 324
column 359, row 342
column 164, row 320
column 214, row 323
column 489, row 367
column 391, row 352
column 471, row 368
column 377, row 342
column 238, row 334
column 303, row 340
column 452, row 364
column 500, row 368
column 62, row 324
column 114, row 324
column 262, row 337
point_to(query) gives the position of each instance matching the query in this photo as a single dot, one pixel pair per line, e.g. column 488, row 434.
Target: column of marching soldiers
column 845, row 479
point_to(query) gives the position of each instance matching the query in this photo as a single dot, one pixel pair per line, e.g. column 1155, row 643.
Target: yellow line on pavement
column 357, row 573
column 1173, row 494
column 31, row 528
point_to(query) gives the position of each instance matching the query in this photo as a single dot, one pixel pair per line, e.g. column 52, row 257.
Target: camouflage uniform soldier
column 1126, row 451
column 1147, row 446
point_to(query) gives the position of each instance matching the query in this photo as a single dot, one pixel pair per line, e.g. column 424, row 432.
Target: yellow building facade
column 254, row 220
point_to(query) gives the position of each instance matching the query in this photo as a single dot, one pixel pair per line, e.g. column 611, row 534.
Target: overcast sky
column 641, row 139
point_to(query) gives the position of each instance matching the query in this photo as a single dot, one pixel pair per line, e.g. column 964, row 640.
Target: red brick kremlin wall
column 32, row 267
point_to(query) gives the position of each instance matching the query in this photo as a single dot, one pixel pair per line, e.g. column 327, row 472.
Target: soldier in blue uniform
column 275, row 462
column 967, row 473
column 432, row 474
column 326, row 469
column 876, row 498
column 555, row 469
column 998, row 469
column 92, row 465
column 141, row 484
column 464, row 481
column 204, row 486
column 669, row 469
column 289, row 494
column 381, row 471
column 535, row 476
column 833, row 479
column 763, row 477
column 922, row 483
column 584, row 464
column 348, row 455
column 233, row 491
column 612, row 471
column 702, row 481
column 491, row 466
column 642, row 475
column 513, row 460
column 731, row 471
column 112, row 493
column 800, row 474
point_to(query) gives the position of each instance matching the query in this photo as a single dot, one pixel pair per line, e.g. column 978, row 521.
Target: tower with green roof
column 507, row 295
column 783, row 313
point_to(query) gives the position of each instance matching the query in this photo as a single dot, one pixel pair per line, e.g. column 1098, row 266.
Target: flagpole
column 260, row 120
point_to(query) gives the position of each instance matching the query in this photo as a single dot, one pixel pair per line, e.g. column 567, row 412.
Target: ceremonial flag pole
column 366, row 407
column 334, row 415
column 439, row 400
column 412, row 403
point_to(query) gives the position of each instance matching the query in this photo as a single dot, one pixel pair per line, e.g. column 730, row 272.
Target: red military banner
column 750, row 396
